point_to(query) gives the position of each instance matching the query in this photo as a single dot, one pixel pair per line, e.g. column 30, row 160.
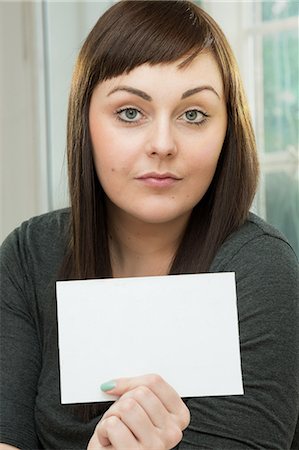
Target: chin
column 161, row 218
column 153, row 213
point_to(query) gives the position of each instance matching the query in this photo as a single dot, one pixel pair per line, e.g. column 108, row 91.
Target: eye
column 194, row 116
column 129, row 115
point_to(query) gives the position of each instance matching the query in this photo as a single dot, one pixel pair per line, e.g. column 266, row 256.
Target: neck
column 143, row 249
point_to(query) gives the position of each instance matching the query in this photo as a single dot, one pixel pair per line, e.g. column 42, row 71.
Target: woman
column 162, row 173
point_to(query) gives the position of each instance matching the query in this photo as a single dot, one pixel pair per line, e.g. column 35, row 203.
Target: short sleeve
column 266, row 415
column 20, row 347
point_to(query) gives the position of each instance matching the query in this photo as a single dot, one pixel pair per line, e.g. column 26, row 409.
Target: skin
column 146, row 222
column 148, row 415
column 156, row 119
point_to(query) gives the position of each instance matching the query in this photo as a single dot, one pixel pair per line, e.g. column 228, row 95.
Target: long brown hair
column 129, row 34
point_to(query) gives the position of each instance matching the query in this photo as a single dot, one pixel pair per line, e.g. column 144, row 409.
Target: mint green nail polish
column 108, row 385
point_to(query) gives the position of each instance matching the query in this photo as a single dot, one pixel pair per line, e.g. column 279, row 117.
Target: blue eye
column 129, row 115
column 194, row 116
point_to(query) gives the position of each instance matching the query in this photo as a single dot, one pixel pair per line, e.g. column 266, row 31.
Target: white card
column 182, row 327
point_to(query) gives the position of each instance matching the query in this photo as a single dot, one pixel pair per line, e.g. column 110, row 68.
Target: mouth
column 159, row 176
column 155, row 179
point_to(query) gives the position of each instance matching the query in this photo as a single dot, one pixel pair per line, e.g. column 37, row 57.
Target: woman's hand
column 149, row 415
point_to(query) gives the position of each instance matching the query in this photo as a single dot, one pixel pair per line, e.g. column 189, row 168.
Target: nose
column 162, row 142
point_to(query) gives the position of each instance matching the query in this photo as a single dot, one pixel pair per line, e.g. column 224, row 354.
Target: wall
column 23, row 178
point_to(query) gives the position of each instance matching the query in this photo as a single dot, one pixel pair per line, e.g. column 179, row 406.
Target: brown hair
column 129, row 34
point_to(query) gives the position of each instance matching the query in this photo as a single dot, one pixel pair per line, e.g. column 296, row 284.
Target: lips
column 159, row 176
column 159, row 180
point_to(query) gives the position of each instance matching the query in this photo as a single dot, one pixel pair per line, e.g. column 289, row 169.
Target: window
column 272, row 42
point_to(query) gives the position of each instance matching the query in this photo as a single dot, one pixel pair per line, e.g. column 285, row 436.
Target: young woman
column 162, row 173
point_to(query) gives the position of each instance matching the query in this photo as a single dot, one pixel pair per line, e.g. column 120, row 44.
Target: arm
column 20, row 354
column 266, row 416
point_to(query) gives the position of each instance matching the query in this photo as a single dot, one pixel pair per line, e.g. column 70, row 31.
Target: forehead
column 202, row 70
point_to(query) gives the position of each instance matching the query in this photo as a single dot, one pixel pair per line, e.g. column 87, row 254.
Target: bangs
column 132, row 33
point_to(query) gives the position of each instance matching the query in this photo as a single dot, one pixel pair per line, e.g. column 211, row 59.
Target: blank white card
column 183, row 327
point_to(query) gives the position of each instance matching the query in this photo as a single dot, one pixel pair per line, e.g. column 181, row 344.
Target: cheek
column 111, row 164
column 212, row 147
column 204, row 161
column 107, row 170
column 104, row 151
column 112, row 149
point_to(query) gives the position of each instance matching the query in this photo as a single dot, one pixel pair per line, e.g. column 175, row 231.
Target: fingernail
column 108, row 385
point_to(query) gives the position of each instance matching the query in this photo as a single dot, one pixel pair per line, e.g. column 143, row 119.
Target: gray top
column 267, row 290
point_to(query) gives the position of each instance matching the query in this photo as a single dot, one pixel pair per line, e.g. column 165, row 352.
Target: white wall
column 23, row 178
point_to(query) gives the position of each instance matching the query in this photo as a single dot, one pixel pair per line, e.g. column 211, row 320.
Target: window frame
column 255, row 30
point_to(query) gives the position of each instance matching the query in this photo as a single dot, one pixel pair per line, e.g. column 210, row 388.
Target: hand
column 149, row 415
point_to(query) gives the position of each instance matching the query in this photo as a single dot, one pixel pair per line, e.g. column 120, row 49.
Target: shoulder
column 266, row 270
column 40, row 238
column 44, row 224
column 256, row 243
column 267, row 280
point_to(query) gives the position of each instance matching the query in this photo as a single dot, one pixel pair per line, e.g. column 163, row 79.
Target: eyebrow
column 132, row 91
column 199, row 89
column 147, row 97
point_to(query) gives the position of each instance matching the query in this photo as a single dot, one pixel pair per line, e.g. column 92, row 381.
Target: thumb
column 121, row 385
column 116, row 387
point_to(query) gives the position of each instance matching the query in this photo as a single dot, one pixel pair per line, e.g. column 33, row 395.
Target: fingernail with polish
column 108, row 386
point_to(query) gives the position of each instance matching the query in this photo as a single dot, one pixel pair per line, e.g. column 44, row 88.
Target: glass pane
column 279, row 9
column 282, row 205
column 281, row 109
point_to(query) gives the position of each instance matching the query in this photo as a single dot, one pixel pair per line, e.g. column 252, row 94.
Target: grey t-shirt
column 267, row 290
